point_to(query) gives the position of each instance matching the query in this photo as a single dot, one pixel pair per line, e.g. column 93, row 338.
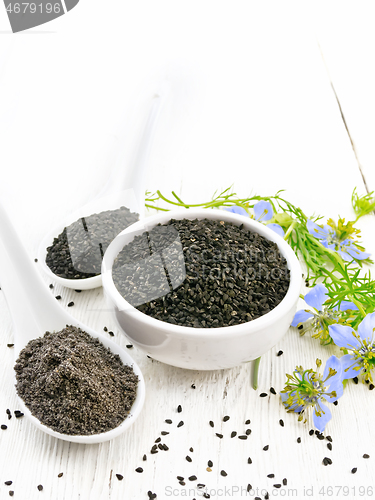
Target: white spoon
column 129, row 193
column 34, row 311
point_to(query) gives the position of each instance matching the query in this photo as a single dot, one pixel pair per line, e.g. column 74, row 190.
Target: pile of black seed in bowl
column 77, row 252
column 201, row 273
column 73, row 384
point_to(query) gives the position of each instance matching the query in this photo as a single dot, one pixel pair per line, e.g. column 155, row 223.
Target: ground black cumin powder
column 73, row 384
column 77, row 252
column 201, row 273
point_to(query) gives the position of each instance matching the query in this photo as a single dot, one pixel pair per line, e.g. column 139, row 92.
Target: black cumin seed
column 270, row 475
column 60, row 474
column 160, row 446
column 58, row 297
column 192, row 386
column 311, row 432
column 154, row 447
column 223, row 473
column 40, row 487
column 165, row 447
column 266, row 447
column 277, row 485
column 272, row 390
column 285, row 482
column 249, row 461
column 211, row 423
column 191, row 449
column 105, row 329
column 329, row 446
column 335, row 403
column 327, row 461
column 279, row 353
column 164, row 433
column 247, row 422
column 168, row 421
column 366, row 455
column 10, row 345
column 257, row 498
column 120, row 477
column 243, row 436
column 35, row 260
column 200, row 485
column 206, row 495
column 129, row 346
column 180, row 478
column 248, row 432
column 144, row 458
column 78, row 291
column 192, row 478
column 188, row 458
column 4, row 427
column 210, row 463
column 354, row 470
column 18, row 414
column 328, row 438
column 300, row 327
column 7, row 411
column 11, row 493
column 71, row 304
column 226, row 418
column 281, row 422
column 111, row 334
column 371, row 387
column 219, row 435
column 355, row 380
column 153, row 452
column 298, row 440
column 180, row 424
column 158, row 440
column 263, row 395
column 8, row 483
column 179, row 409
column 139, row 469
column 233, row 434
column 249, row 487
column 182, row 483
column 266, row 496
column 51, row 286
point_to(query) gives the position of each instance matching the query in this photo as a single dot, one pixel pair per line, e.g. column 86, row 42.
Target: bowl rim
column 286, row 304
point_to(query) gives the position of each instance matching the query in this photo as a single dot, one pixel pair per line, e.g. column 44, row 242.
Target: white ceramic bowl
column 202, row 348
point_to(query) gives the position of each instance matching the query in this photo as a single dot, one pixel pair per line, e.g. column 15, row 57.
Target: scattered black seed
column 58, row 297
column 249, row 487
column 216, row 279
column 189, row 459
column 281, row 422
column 285, row 482
column 192, row 478
column 78, row 291
column 300, row 327
column 71, row 304
column 18, row 414
column 278, row 485
column 210, row 463
column 193, row 386
column 157, row 440
column 272, row 390
column 180, row 478
column 335, row 403
column 35, row 260
column 243, row 436
column 168, row 421
column 311, row 432
column 329, row 446
column 327, row 461
column 219, row 435
column 153, row 452
column 266, row 496
column 354, row 470
column 355, row 380
column 233, row 434
column 366, row 455
column 249, row 461
column 105, row 329
column 248, row 432
column 247, row 422
column 320, row 437
column 120, row 477
column 180, row 424
column 160, row 446
column 211, row 423
column 206, row 495
column 223, row 473
column 10, row 345
column 200, row 485
column 164, row 433
column 266, row 447
column 191, row 449
column 73, row 384
column 271, row 475
column 279, row 353
column 129, row 346
column 7, row 411
column 165, row 447
column 298, row 440
column 182, row 483
column 51, row 286
column 11, row 493
column 4, row 427
column 60, row 474
column 77, row 252
column 139, row 469
column 40, row 487
column 8, row 483
column 111, row 334
column 179, row 409
column 371, row 387
column 257, row 498
column 151, row 495
column 263, row 394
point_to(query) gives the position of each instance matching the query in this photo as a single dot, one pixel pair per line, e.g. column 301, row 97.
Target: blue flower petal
column 334, row 383
column 263, row 211
column 237, row 210
column 301, row 316
column 343, row 336
column 349, row 364
column 345, row 305
column 367, row 326
column 345, row 256
column 355, row 252
column 277, row 228
column 316, row 230
column 316, row 297
column 321, row 422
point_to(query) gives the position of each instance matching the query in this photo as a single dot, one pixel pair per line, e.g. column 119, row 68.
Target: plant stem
column 358, row 304
column 290, row 229
column 255, row 373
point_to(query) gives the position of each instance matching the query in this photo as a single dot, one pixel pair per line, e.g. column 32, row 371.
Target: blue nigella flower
column 360, row 343
column 307, row 388
column 330, row 239
column 263, row 212
column 320, row 316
